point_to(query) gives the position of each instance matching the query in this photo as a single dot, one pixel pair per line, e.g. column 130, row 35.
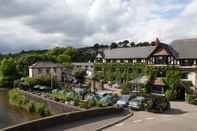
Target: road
column 182, row 117
column 88, row 124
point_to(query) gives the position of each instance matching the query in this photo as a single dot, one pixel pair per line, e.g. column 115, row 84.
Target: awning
column 158, row 81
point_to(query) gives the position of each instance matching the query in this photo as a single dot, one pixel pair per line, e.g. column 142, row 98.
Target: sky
column 43, row 24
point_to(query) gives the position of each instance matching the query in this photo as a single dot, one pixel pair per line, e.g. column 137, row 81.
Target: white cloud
column 49, row 23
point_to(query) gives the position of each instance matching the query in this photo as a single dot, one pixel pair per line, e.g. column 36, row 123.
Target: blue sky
column 171, row 12
column 43, row 24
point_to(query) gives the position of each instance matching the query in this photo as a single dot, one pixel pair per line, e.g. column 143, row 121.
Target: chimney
column 157, row 42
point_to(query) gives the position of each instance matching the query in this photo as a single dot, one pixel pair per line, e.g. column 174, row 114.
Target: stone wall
column 60, row 119
column 53, row 106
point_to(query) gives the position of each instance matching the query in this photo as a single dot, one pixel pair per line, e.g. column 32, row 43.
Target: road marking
column 149, row 118
column 120, row 124
column 165, row 116
column 137, row 121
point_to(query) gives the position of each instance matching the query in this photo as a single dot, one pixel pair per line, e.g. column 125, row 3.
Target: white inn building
column 179, row 53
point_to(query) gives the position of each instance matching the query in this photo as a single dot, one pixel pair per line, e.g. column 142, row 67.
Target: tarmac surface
column 182, row 117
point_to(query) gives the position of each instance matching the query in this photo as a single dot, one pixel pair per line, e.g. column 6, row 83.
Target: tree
column 113, row 45
column 64, row 58
column 79, row 73
column 125, row 43
column 125, row 88
column 132, row 44
column 8, row 72
column 96, row 46
column 70, row 52
column 171, row 80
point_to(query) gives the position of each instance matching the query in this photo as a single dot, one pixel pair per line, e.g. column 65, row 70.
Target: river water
column 10, row 115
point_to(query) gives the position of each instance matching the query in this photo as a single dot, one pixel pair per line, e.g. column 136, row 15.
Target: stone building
column 48, row 69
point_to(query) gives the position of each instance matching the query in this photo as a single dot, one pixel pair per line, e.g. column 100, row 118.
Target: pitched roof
column 46, row 65
column 124, row 53
column 185, row 48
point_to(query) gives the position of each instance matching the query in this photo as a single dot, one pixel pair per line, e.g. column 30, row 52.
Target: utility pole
column 51, row 81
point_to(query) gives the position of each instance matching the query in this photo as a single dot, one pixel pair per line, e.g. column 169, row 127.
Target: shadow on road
column 174, row 111
column 80, row 123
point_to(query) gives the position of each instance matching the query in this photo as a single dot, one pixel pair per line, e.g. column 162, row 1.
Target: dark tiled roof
column 126, row 53
column 47, row 65
column 185, row 48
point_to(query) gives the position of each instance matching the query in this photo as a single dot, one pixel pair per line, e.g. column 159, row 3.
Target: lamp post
column 52, row 74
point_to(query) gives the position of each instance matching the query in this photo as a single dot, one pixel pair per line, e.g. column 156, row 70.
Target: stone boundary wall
column 64, row 118
column 53, row 106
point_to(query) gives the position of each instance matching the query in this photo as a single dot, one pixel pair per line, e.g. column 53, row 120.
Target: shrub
column 91, row 103
column 19, row 100
column 188, row 98
column 84, row 104
column 99, row 104
column 147, row 88
column 125, row 88
column 168, row 94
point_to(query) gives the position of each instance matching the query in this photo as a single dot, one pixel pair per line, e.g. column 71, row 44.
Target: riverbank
column 11, row 115
column 19, row 100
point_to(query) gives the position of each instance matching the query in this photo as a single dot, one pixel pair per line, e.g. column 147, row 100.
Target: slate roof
column 126, row 53
column 46, row 65
column 185, row 48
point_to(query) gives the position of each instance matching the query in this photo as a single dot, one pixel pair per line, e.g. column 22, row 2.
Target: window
column 184, row 75
column 130, row 61
column 139, row 60
column 186, row 62
column 48, row 71
column 39, row 71
column 54, row 69
column 161, row 60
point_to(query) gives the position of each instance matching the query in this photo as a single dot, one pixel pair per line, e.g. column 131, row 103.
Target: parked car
column 123, row 101
column 115, row 98
column 158, row 104
column 103, row 93
column 137, row 103
column 106, row 100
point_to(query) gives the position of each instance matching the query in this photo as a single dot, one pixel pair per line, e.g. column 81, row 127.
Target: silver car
column 123, row 101
column 137, row 103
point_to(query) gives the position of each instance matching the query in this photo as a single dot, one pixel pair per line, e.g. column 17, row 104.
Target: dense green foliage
column 189, row 98
column 18, row 99
column 15, row 66
column 172, row 79
column 125, row 88
column 122, row 73
column 119, row 72
column 65, row 97
column 8, row 72
column 85, row 54
column 29, row 82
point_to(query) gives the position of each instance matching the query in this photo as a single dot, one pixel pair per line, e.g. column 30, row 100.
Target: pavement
column 182, row 117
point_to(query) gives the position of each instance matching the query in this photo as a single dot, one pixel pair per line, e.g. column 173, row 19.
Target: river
column 10, row 115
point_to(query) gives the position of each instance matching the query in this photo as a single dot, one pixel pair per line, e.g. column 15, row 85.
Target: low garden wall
column 53, row 106
column 64, row 118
